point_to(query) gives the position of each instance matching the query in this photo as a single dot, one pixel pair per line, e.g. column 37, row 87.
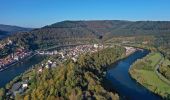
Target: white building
column 96, row 45
column 24, row 85
column 16, row 58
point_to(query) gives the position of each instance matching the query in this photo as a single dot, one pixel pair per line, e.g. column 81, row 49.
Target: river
column 120, row 80
column 10, row 73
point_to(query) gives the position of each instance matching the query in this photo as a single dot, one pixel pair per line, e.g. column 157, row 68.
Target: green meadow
column 143, row 71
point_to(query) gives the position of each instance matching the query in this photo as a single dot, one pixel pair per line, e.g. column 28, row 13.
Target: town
column 72, row 52
column 129, row 50
column 14, row 57
column 63, row 54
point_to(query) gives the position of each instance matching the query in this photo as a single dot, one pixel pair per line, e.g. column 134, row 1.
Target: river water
column 121, row 81
column 10, row 73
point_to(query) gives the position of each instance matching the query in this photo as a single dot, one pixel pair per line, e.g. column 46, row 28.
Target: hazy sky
column 37, row 13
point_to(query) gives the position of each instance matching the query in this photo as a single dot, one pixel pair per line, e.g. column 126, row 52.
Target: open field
column 144, row 72
column 154, row 58
column 153, row 82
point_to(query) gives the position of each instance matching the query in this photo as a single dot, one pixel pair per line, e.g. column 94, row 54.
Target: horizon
column 36, row 14
column 90, row 20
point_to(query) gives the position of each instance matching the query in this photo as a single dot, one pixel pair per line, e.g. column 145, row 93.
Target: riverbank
column 10, row 73
column 143, row 71
column 30, row 55
column 121, row 81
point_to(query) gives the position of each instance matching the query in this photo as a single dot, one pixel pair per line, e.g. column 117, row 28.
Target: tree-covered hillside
column 117, row 26
column 2, row 32
column 69, row 32
column 6, row 30
column 13, row 29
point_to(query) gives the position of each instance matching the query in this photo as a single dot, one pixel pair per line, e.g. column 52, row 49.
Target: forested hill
column 3, row 32
column 13, row 29
column 6, row 30
column 69, row 32
column 117, row 26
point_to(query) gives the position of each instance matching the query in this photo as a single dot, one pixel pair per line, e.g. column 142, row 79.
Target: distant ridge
column 6, row 30
column 13, row 29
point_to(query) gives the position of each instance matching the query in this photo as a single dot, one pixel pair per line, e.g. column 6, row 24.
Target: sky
column 38, row 13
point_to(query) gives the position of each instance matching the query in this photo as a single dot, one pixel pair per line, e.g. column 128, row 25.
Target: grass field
column 154, row 83
column 149, row 78
column 154, row 58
